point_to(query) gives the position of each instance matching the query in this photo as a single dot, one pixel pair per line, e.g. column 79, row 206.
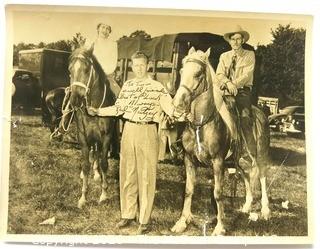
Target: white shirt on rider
column 106, row 52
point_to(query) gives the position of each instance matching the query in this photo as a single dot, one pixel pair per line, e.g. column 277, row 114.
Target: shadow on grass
column 281, row 135
column 292, row 158
column 171, row 196
column 288, row 223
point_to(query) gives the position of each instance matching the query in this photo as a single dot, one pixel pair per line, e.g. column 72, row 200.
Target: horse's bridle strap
column 187, row 88
column 80, row 84
column 200, row 62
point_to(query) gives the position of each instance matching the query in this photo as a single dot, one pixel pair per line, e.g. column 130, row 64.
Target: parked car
column 27, row 90
column 288, row 116
column 295, row 122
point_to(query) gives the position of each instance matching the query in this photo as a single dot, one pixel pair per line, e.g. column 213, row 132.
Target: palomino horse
column 89, row 88
column 206, row 139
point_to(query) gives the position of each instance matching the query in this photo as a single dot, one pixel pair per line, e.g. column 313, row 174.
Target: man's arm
column 221, row 72
column 166, row 104
column 168, row 107
column 118, row 108
column 109, row 111
column 247, row 73
column 222, row 80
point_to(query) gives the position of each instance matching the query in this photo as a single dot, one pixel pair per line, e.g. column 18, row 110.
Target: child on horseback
column 106, row 53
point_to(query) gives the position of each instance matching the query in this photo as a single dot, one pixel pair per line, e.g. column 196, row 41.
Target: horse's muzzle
column 182, row 101
column 76, row 101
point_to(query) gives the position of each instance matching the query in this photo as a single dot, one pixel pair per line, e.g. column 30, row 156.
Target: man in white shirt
column 140, row 102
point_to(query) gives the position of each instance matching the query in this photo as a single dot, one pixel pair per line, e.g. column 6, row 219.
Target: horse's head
column 82, row 72
column 194, row 78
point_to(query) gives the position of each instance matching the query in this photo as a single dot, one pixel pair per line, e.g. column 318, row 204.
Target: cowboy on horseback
column 235, row 75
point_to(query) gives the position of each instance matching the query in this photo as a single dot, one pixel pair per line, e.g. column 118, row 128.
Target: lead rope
column 104, row 95
column 65, row 110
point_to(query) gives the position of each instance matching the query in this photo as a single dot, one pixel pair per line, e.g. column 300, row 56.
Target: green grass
column 44, row 182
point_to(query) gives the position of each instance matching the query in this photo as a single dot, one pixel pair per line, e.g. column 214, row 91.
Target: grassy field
column 44, row 182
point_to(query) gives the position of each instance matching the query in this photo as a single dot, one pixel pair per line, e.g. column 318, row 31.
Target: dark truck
column 50, row 67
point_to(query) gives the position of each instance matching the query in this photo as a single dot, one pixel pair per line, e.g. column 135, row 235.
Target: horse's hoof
column 265, row 213
column 103, row 198
column 81, row 203
column 97, row 177
column 246, row 208
column 218, row 230
column 179, row 227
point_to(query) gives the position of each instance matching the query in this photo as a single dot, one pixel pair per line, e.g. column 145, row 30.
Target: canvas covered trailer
column 166, row 52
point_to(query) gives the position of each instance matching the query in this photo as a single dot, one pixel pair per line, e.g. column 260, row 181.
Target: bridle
column 87, row 86
column 81, row 84
column 191, row 93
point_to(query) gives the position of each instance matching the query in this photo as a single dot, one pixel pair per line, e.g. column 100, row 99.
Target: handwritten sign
column 140, row 100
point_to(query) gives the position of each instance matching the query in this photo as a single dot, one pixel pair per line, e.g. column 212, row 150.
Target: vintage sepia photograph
column 183, row 126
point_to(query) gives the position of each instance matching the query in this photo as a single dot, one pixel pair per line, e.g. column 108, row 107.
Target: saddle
column 226, row 107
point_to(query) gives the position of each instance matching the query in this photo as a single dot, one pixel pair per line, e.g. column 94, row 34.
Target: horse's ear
column 207, row 53
column 90, row 50
column 191, row 50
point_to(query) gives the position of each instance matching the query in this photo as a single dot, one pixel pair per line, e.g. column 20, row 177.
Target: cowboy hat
column 237, row 30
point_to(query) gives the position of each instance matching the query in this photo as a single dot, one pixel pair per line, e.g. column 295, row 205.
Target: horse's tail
column 262, row 134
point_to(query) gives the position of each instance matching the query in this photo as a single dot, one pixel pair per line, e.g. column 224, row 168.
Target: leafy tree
column 77, row 41
column 18, row 47
column 138, row 33
column 281, row 66
column 41, row 45
column 65, row 45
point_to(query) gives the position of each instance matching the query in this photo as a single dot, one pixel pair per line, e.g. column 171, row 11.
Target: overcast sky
column 50, row 24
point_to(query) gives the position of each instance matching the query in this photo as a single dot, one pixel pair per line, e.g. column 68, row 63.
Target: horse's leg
column 95, row 167
column 218, row 171
column 104, row 168
column 246, row 208
column 265, row 211
column 84, row 176
column 186, row 216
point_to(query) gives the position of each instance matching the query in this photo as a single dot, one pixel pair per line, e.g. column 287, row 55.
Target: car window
column 25, row 76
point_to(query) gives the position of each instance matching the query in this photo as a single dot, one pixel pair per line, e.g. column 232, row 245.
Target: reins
column 87, row 86
column 203, row 64
column 66, row 102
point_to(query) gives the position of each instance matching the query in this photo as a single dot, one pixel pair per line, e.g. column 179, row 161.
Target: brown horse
column 206, row 139
column 90, row 88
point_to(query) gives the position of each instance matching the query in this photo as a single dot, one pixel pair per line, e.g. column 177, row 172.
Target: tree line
column 280, row 66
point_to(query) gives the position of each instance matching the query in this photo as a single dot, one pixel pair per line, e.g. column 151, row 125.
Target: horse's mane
column 88, row 55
